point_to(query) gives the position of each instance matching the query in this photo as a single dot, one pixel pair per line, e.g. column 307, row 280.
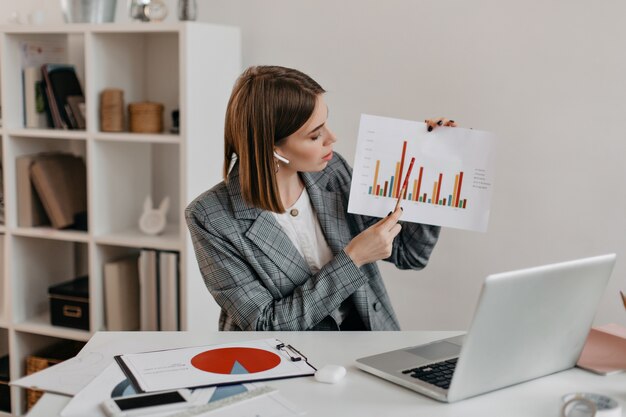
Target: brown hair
column 268, row 103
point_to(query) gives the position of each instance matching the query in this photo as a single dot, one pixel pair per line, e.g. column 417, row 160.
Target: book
column 149, row 312
column 30, row 210
column 61, row 183
column 77, row 110
column 169, row 290
column 61, row 82
column 121, row 294
column 34, row 112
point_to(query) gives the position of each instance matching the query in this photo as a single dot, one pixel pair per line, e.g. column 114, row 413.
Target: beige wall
column 547, row 77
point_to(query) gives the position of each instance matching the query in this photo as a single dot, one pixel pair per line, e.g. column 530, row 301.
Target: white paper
column 269, row 405
column 113, row 383
column 179, row 368
column 70, row 377
column 446, row 157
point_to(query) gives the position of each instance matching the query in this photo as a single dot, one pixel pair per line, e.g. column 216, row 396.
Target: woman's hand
column 375, row 242
column 441, row 121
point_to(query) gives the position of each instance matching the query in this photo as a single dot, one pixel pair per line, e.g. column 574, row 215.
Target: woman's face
column 310, row 148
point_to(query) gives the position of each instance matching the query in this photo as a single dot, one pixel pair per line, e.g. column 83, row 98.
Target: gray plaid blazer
column 260, row 280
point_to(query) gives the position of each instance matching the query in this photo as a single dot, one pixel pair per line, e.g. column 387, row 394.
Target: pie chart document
column 208, row 365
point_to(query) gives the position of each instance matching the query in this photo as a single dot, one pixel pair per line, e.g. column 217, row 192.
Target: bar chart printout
column 449, row 185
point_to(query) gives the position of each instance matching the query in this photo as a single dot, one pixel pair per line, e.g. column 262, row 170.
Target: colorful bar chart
column 453, row 199
column 443, row 177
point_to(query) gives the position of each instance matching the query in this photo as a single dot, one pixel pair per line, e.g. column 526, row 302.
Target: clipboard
column 211, row 365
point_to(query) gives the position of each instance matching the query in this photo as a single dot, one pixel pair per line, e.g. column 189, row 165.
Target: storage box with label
column 69, row 303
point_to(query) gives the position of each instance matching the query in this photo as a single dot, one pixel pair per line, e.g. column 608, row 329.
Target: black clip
column 292, row 352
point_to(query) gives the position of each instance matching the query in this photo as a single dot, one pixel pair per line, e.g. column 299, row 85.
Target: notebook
column 528, row 323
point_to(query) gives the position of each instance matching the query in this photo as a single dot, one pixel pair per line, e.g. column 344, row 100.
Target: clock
column 155, row 10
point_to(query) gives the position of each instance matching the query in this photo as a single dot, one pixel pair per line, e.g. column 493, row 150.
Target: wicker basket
column 145, row 117
column 112, row 110
column 44, row 359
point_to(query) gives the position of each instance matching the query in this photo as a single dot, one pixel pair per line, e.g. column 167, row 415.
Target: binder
column 121, row 294
column 210, row 365
column 169, row 291
column 148, row 289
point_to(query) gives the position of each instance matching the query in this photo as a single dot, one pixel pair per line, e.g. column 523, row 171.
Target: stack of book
column 52, row 189
column 142, row 292
column 53, row 96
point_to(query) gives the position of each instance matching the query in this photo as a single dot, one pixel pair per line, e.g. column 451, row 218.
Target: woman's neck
column 290, row 186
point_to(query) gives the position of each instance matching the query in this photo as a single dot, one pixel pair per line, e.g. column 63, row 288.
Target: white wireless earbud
column 281, row 158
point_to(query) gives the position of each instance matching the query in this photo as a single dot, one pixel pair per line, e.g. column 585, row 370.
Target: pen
column 405, row 185
column 623, row 299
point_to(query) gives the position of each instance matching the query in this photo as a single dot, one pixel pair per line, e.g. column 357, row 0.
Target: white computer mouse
column 330, row 374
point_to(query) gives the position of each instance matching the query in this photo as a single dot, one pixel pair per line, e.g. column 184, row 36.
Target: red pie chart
column 235, row 360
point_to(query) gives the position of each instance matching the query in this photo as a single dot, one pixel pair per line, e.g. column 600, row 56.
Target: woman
column 274, row 243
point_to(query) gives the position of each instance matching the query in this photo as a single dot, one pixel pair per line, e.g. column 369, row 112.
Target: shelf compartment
column 20, row 146
column 125, row 173
column 49, row 133
column 145, row 65
column 138, row 137
column 74, row 54
column 50, row 233
column 38, row 264
column 134, row 238
column 40, row 325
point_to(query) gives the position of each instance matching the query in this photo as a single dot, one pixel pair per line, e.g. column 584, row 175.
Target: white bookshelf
column 186, row 66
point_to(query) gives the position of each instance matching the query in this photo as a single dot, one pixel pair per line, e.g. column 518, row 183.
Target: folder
column 223, row 364
column 168, row 290
column 121, row 294
column 605, row 350
column 148, row 290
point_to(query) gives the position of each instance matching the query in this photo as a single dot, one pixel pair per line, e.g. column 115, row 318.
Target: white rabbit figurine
column 152, row 221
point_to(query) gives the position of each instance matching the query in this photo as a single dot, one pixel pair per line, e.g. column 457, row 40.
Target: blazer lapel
column 330, row 210
column 267, row 234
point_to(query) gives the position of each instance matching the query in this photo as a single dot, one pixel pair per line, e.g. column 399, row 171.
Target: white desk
column 362, row 394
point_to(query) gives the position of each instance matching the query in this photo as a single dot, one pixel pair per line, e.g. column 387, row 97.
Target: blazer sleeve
column 249, row 304
column 415, row 242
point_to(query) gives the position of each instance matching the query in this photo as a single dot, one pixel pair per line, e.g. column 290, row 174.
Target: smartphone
column 145, row 404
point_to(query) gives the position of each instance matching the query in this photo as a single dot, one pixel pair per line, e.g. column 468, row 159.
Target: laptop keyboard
column 439, row 374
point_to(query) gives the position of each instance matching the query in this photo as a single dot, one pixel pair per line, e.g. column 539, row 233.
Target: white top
column 301, row 225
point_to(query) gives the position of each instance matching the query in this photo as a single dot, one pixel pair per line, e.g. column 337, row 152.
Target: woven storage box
column 145, row 117
column 55, row 354
column 112, row 110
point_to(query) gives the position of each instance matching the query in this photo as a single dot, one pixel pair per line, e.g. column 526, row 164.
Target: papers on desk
column 260, row 402
column 203, row 366
column 113, row 383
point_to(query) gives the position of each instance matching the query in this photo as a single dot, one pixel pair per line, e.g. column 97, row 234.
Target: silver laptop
column 528, row 323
